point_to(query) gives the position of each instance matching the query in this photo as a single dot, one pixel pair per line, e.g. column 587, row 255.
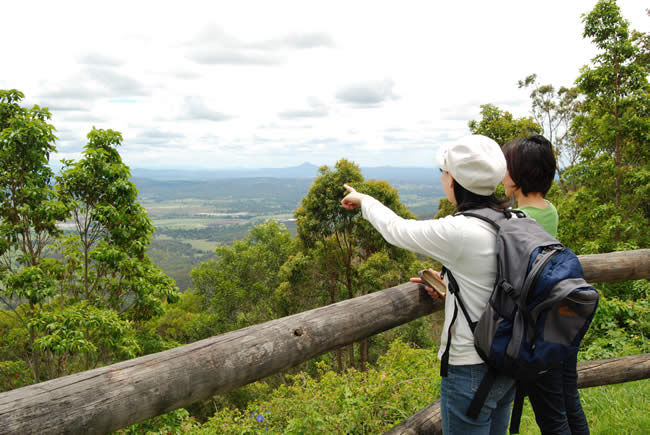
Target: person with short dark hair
column 531, row 169
column 554, row 394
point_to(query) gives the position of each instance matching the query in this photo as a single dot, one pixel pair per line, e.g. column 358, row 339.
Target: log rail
column 112, row 397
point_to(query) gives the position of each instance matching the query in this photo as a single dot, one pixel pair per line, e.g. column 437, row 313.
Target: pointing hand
column 353, row 199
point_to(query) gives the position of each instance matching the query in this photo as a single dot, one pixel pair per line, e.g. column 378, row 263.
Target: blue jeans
column 556, row 402
column 456, row 393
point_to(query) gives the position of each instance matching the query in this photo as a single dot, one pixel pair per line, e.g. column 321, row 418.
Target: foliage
column 239, row 285
column 554, row 110
column 176, row 422
column 185, row 321
column 405, row 380
column 612, row 200
column 589, row 225
column 15, row 374
column 339, row 243
column 84, row 333
column 502, row 126
column 69, row 299
column 620, row 327
column 112, row 232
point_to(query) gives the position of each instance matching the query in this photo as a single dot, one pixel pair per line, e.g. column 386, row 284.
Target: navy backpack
column 538, row 312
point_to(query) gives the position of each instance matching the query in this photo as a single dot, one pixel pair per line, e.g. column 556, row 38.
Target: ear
column 451, row 181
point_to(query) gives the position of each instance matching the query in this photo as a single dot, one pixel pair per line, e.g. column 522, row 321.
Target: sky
column 262, row 84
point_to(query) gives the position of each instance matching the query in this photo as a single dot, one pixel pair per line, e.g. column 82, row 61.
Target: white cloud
column 233, row 57
column 99, row 60
column 257, row 83
column 369, row 94
column 213, row 46
column 196, row 109
column 157, row 137
column 316, row 110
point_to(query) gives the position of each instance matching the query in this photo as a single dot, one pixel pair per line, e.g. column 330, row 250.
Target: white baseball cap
column 475, row 161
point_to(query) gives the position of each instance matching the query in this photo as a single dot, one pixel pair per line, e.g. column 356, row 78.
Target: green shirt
column 546, row 217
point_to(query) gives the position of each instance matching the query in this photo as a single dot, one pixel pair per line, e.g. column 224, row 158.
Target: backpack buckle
column 506, row 287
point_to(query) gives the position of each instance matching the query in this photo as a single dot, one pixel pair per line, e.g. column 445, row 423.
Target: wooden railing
column 115, row 396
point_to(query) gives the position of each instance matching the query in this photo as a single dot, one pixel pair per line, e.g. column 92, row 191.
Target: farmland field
column 193, row 216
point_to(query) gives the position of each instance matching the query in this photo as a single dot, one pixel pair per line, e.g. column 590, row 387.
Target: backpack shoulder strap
column 481, row 394
column 517, row 407
column 455, row 290
column 444, row 361
column 492, row 216
column 482, row 217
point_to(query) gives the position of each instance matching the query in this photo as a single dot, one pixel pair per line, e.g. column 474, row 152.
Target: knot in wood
column 297, row 332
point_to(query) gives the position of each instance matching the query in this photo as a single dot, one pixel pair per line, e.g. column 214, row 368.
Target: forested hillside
column 92, row 257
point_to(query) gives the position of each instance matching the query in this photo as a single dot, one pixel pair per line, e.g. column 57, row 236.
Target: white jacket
column 466, row 246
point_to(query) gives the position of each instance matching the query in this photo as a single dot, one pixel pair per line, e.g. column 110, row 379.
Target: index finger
column 349, row 188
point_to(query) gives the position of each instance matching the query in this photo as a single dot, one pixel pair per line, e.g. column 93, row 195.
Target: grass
column 202, row 245
column 611, row 409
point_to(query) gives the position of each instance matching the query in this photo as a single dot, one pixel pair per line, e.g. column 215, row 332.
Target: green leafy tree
column 502, row 126
column 320, row 216
column 80, row 336
column 554, row 109
column 321, row 222
column 29, row 211
column 239, row 286
column 107, row 264
column 341, row 242
column 610, row 209
column 68, row 300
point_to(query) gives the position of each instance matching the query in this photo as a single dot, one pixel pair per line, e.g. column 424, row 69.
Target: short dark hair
column 466, row 200
column 531, row 163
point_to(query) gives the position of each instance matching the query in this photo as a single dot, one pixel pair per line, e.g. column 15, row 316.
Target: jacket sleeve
column 441, row 239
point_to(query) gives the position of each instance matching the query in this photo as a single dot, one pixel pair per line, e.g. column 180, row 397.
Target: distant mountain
column 392, row 174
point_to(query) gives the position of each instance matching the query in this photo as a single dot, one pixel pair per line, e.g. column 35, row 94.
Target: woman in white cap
column 471, row 169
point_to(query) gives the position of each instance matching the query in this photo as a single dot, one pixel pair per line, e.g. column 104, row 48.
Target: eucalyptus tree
column 29, row 212
column 29, row 209
column 612, row 207
column 502, row 126
column 240, row 285
column 340, row 242
column 69, row 300
column 320, row 219
column 554, row 109
column 111, row 233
